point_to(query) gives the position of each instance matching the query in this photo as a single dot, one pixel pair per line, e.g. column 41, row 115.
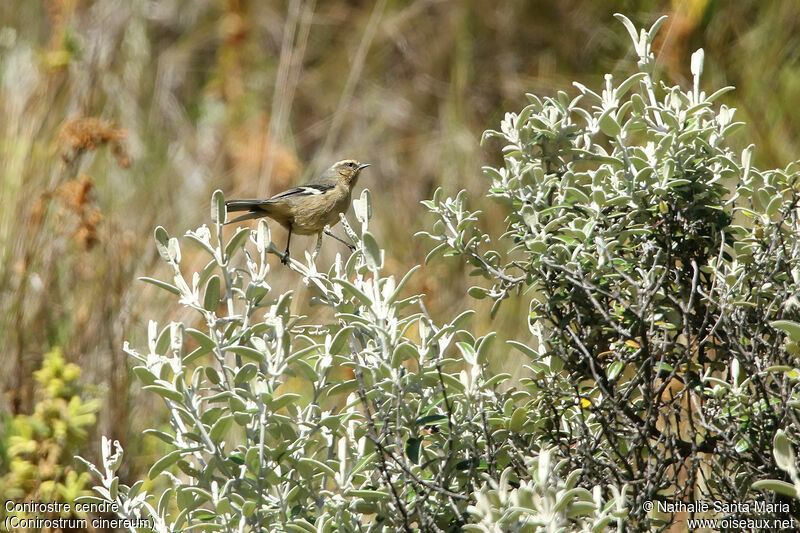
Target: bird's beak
column 362, row 166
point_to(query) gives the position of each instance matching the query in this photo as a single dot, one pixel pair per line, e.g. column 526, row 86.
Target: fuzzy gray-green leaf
column 218, row 210
column 211, row 300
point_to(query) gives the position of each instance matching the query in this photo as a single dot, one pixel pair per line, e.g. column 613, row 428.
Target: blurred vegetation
column 122, row 114
column 40, row 446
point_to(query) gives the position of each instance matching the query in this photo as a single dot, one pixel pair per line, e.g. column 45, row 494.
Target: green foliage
column 785, row 458
column 782, row 448
column 656, row 258
column 544, row 502
column 41, row 446
column 398, row 424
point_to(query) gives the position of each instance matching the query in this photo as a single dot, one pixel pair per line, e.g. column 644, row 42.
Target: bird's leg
column 328, row 232
column 285, row 258
column 318, row 247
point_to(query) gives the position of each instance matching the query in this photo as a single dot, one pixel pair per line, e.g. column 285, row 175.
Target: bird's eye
column 351, row 164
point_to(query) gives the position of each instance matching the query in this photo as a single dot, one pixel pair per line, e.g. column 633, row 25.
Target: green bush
column 398, row 425
column 655, row 261
column 658, row 260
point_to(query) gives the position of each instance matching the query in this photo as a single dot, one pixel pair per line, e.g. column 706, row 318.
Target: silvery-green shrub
column 379, row 419
column 657, row 262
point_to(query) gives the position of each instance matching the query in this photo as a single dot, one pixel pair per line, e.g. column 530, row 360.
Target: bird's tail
column 255, row 208
column 245, row 205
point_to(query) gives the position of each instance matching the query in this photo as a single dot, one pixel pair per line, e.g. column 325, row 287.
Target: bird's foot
column 352, row 248
column 285, row 258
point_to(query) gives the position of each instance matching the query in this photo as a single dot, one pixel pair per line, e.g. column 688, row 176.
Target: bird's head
column 347, row 171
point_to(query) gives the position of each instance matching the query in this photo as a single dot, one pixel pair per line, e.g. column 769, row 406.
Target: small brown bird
column 308, row 209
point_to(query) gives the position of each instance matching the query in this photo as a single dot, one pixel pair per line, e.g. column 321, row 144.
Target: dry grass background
column 118, row 115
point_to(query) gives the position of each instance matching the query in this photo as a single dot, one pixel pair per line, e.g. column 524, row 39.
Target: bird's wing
column 303, row 190
column 254, row 203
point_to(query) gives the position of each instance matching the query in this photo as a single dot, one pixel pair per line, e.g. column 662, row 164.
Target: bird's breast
column 315, row 216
